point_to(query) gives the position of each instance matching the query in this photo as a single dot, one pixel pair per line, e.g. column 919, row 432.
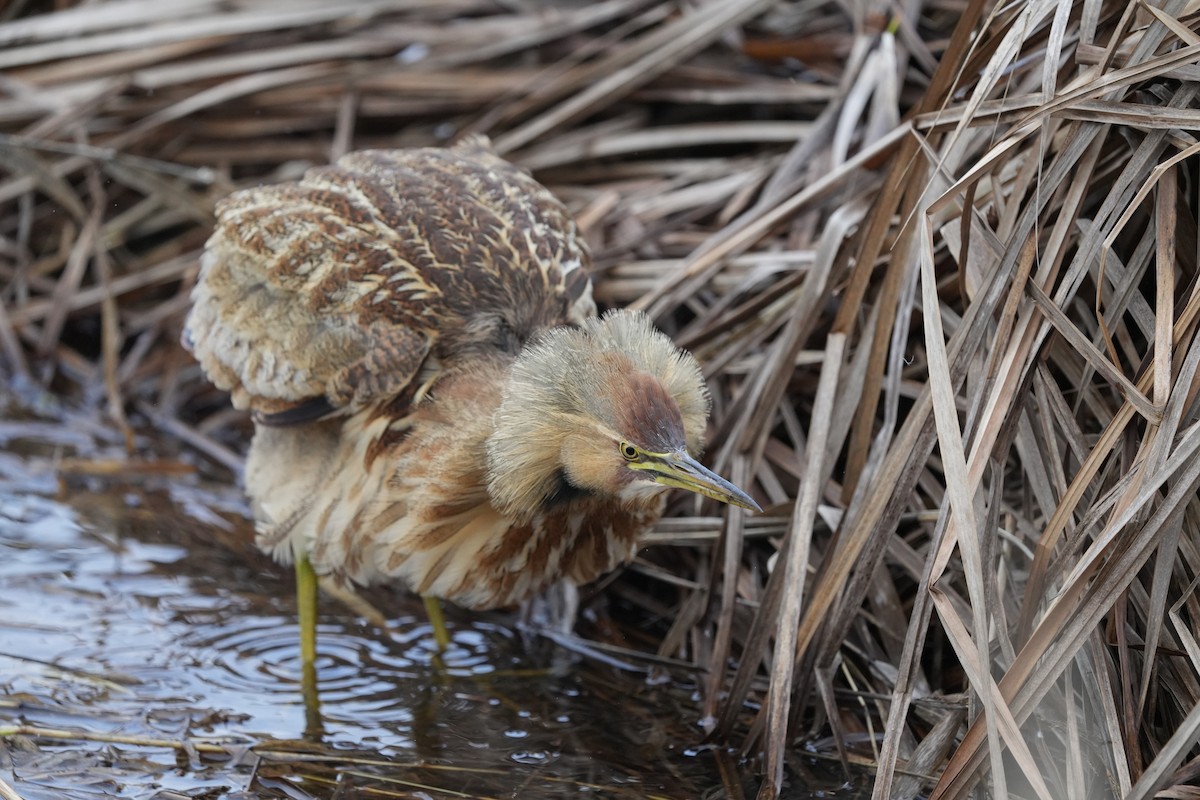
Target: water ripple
column 367, row 680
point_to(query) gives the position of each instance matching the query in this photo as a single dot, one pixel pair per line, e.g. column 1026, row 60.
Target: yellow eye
column 628, row 451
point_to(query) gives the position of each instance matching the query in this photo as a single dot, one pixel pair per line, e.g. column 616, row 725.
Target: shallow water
column 146, row 650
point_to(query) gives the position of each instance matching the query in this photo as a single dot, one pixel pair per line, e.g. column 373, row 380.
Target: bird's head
column 612, row 408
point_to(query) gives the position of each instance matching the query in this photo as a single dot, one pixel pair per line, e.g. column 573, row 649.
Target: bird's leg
column 433, row 608
column 306, row 602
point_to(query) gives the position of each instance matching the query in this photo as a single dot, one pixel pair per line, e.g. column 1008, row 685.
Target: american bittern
column 435, row 401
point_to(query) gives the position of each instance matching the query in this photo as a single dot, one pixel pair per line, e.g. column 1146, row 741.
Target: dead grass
column 939, row 261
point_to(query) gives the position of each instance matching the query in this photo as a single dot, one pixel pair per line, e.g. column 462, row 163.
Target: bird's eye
column 628, row 451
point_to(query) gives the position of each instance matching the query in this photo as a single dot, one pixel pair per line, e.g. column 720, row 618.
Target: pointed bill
column 684, row 472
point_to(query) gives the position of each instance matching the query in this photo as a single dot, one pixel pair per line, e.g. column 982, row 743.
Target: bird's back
column 333, row 292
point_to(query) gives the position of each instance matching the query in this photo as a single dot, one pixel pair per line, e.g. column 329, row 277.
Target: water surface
column 147, row 650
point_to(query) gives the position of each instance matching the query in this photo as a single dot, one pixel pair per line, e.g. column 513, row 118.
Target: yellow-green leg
column 306, row 604
column 434, row 609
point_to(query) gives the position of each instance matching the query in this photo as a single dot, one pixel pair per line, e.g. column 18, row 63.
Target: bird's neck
column 563, row 492
column 525, row 471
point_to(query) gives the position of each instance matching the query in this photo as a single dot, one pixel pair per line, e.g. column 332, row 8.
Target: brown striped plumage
column 436, row 402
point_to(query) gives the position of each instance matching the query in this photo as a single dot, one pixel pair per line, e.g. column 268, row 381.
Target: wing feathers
column 340, row 285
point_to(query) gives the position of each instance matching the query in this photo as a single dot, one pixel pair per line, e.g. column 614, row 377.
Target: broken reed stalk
column 951, row 333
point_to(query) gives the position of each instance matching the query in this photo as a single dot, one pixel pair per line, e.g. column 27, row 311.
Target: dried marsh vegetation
column 939, row 261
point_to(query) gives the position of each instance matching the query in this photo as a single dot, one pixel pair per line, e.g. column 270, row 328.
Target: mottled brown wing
column 331, row 292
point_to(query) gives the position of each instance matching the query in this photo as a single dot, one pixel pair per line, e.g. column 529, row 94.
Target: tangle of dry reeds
column 939, row 260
